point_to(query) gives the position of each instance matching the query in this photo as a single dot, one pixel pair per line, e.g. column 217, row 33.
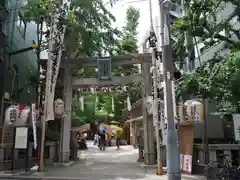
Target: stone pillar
column 130, row 129
column 52, row 149
column 149, row 147
column 213, row 155
column 30, row 150
column 16, row 154
column 140, row 145
column 66, row 121
column 1, row 158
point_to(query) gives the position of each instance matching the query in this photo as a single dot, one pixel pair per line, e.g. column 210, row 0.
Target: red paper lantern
column 20, row 107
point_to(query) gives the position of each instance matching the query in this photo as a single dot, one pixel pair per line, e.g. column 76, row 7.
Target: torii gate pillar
column 66, row 121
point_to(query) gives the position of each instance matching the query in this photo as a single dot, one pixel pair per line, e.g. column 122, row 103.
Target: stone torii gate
column 105, row 78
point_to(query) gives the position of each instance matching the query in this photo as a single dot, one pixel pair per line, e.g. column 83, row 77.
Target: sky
column 119, row 11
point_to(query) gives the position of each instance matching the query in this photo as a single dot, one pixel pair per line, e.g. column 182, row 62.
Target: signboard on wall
column 236, row 123
column 21, row 138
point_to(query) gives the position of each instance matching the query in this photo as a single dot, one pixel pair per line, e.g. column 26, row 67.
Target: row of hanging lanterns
column 107, row 89
column 103, row 89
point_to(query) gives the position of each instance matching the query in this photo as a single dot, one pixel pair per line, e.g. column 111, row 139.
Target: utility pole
column 153, row 45
column 173, row 155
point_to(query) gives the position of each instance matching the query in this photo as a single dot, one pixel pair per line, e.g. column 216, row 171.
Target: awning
column 140, row 118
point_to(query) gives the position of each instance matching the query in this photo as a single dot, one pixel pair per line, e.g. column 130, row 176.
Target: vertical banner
column 33, row 113
column 57, row 30
column 174, row 102
column 49, row 91
column 187, row 164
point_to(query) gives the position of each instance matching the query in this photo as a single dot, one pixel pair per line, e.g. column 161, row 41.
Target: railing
column 215, row 154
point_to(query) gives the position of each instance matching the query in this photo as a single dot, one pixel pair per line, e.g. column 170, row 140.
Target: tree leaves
column 219, row 81
column 208, row 23
column 37, row 10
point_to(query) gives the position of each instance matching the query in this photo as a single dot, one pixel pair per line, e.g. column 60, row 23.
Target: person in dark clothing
column 118, row 139
column 102, row 137
column 73, row 146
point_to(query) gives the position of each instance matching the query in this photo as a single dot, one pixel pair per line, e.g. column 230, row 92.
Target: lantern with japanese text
column 59, row 108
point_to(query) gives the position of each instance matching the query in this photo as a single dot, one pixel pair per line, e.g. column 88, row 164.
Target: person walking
column 96, row 139
column 102, row 140
column 118, row 139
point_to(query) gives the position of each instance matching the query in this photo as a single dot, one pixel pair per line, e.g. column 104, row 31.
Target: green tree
column 128, row 44
column 89, row 29
column 227, row 79
column 129, row 32
column 203, row 22
column 88, row 33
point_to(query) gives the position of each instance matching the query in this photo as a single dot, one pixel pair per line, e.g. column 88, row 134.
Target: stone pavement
column 112, row 164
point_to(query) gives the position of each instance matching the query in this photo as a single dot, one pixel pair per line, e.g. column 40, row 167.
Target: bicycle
column 222, row 171
column 217, row 171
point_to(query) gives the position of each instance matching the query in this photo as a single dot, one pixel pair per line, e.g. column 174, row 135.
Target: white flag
column 129, row 103
column 113, row 104
column 96, row 102
column 82, row 103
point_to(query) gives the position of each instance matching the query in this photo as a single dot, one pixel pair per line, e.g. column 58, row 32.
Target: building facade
column 17, row 76
column 21, row 67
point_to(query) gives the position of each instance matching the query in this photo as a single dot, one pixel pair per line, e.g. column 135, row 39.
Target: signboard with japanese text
column 187, row 164
column 21, row 138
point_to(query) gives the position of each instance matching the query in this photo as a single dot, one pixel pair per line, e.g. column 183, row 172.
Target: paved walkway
column 112, row 164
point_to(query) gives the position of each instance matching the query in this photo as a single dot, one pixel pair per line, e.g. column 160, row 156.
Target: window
column 21, row 24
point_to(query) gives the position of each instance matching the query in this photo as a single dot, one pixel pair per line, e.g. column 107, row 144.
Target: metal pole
column 173, row 155
column 205, row 131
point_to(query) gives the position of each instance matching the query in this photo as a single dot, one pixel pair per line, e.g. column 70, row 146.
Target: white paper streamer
column 113, row 104
column 82, row 103
column 96, row 102
column 129, row 103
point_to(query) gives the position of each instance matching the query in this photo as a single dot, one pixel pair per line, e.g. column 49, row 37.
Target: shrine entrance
column 103, row 80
